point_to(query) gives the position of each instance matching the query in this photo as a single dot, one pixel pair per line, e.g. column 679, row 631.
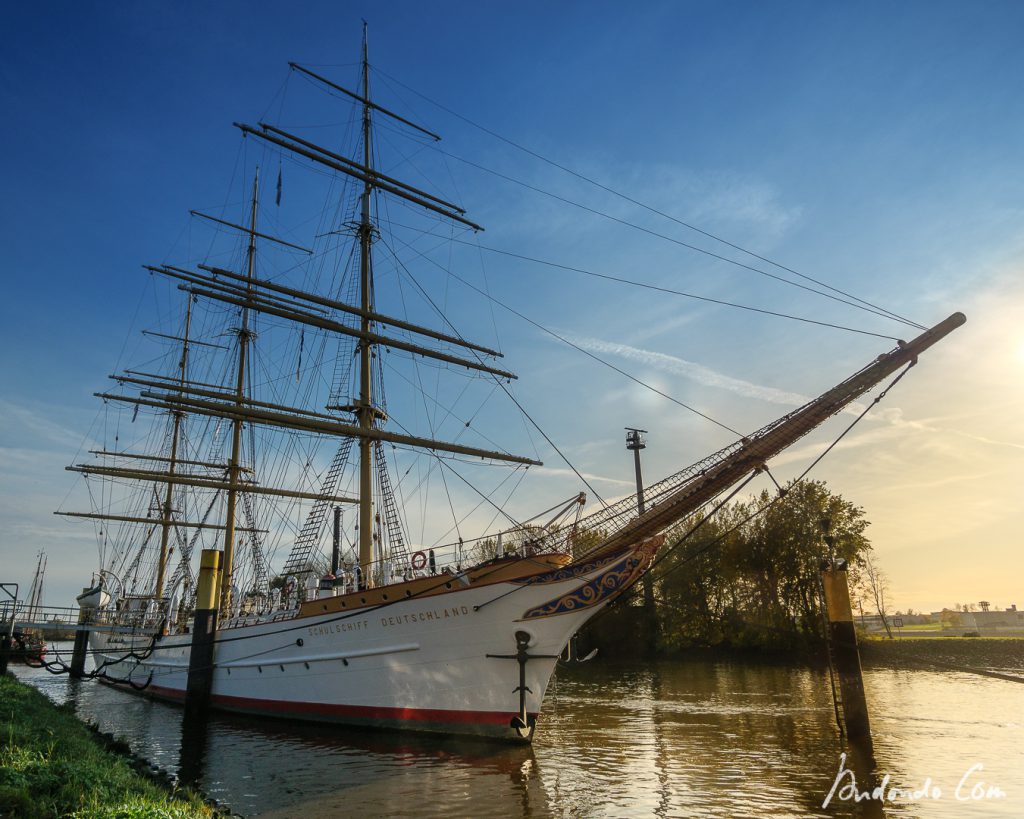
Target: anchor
column 523, row 722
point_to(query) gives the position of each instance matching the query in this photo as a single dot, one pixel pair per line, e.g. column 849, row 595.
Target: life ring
column 419, row 560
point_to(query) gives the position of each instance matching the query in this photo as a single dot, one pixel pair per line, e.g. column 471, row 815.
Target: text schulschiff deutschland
column 424, row 616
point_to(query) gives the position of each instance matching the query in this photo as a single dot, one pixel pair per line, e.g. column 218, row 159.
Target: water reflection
column 195, row 732
column 667, row 740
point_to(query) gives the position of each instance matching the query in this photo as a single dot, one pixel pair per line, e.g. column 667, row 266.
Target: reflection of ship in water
column 308, row 769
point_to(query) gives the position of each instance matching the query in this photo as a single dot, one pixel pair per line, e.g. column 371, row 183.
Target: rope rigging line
column 681, row 243
column 444, row 462
column 578, row 348
column 865, row 305
column 498, row 381
column 669, row 290
column 499, row 512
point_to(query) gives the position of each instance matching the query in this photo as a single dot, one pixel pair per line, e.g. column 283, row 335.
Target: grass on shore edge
column 52, row 765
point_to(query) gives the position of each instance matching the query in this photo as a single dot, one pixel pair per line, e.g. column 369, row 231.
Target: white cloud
column 689, row 369
column 555, row 471
column 726, row 198
column 13, row 415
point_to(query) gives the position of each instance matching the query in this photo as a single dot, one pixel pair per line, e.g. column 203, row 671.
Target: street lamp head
column 635, row 438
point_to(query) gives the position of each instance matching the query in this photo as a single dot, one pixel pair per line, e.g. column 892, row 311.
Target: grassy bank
column 53, row 765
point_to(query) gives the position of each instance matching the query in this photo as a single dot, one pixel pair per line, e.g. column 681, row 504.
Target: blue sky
column 873, row 146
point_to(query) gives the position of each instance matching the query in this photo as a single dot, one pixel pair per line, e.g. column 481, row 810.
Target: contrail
column 689, row 369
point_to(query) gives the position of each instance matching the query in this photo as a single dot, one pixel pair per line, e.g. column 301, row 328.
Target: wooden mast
column 365, row 410
column 176, row 415
column 234, row 465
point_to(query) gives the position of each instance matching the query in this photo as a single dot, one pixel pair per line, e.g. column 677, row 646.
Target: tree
column 748, row 579
column 877, row 586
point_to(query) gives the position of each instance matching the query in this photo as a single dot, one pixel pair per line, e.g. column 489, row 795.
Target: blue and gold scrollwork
column 623, row 573
column 567, row 572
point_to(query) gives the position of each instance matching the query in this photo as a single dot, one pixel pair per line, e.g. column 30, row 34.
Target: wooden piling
column 77, row 668
column 204, row 631
column 845, row 654
column 5, row 652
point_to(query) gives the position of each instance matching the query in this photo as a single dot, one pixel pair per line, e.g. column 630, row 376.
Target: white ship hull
column 445, row 662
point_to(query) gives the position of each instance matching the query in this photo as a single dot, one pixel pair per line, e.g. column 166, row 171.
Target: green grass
column 52, row 765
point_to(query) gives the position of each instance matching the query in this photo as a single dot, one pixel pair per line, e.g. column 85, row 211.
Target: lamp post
column 634, row 443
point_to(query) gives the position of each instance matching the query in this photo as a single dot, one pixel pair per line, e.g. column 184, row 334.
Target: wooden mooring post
column 204, row 632
column 845, row 656
column 7, row 635
column 77, row 668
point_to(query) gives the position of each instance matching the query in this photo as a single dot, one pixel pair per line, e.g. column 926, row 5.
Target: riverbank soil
column 52, row 765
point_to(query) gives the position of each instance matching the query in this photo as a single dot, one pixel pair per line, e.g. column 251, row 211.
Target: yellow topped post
column 204, row 631
column 843, row 645
column 209, row 571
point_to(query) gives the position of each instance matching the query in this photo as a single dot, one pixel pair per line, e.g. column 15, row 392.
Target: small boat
column 27, row 643
column 93, row 597
column 27, row 647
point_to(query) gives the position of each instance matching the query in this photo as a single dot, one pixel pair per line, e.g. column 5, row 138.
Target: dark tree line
column 741, row 580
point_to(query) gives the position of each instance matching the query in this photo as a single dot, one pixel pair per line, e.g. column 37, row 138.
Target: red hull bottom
column 490, row 724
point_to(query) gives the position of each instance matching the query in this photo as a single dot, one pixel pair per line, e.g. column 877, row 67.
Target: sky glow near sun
column 873, row 148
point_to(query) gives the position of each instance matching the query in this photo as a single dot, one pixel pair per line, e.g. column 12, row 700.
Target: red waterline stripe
column 438, row 715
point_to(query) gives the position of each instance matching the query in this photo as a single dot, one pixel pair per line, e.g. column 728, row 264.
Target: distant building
column 990, row 623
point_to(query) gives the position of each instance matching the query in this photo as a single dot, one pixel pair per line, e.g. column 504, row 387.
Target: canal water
column 666, row 739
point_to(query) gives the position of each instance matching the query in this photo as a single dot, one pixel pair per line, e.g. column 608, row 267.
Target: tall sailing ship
column 280, row 352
